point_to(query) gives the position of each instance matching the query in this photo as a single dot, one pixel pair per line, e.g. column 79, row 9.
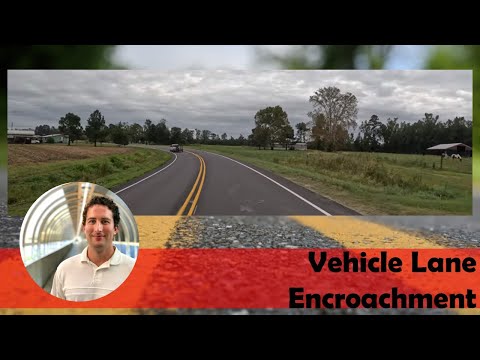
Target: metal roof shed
column 458, row 148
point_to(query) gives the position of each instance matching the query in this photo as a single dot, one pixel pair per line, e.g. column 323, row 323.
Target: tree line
column 123, row 133
column 332, row 126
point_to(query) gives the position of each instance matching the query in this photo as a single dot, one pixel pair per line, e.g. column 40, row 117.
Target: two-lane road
column 162, row 191
column 202, row 183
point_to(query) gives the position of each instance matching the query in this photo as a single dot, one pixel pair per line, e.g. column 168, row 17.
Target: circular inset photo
column 79, row 241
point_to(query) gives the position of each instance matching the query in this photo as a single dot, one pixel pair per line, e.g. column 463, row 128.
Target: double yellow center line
column 189, row 206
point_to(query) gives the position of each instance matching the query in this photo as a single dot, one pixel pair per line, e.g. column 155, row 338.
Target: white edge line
column 149, row 176
column 277, row 183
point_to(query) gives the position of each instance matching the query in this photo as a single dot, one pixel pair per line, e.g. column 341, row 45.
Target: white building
column 57, row 138
column 21, row 136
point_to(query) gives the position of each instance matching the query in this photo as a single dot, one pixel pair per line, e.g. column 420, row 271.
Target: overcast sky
column 226, row 101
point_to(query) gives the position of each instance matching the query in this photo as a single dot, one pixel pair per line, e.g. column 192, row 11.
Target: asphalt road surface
column 162, row 191
column 218, row 185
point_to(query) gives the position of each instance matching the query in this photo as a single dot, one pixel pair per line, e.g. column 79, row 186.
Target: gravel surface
column 9, row 228
column 295, row 312
column 246, row 232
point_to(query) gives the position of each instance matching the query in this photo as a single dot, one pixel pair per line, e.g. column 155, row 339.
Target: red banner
column 272, row 278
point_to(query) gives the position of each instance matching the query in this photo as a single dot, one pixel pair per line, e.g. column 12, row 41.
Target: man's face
column 99, row 228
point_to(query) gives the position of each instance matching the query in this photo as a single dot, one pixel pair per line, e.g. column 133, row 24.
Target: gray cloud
column 225, row 101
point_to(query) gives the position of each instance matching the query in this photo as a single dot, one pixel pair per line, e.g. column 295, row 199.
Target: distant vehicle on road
column 176, row 148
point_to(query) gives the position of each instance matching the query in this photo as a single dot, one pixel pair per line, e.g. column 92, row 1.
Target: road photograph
column 231, row 172
column 252, row 143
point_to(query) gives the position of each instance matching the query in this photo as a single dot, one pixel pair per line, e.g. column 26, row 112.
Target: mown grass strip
column 371, row 183
column 28, row 182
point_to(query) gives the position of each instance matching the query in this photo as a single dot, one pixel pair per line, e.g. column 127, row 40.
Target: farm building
column 15, row 136
column 454, row 148
column 57, row 138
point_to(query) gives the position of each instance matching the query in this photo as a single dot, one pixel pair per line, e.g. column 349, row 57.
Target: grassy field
column 371, row 183
column 35, row 169
column 476, row 173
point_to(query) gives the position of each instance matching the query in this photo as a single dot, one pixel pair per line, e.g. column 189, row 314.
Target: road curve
column 161, row 191
column 201, row 183
column 234, row 188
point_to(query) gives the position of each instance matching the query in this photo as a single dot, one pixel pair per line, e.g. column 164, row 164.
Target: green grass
column 371, row 183
column 3, row 152
column 28, row 182
column 476, row 173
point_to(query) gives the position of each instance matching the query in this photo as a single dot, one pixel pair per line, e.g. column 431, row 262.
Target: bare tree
column 336, row 112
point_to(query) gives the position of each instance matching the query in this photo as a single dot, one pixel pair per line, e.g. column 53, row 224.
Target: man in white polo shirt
column 101, row 267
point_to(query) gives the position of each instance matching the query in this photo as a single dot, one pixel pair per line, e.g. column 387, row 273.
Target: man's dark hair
column 102, row 200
